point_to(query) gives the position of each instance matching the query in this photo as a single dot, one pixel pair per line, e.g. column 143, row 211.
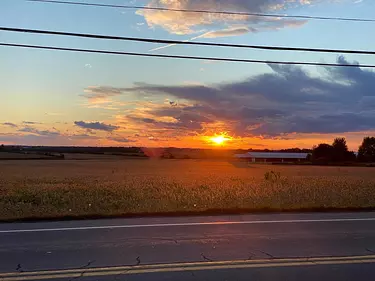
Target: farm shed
column 272, row 157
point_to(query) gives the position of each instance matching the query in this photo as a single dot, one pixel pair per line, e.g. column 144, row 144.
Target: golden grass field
column 59, row 188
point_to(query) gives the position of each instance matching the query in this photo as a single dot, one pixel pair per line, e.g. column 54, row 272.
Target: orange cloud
column 178, row 22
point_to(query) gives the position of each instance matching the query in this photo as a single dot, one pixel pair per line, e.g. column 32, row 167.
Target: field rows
column 118, row 187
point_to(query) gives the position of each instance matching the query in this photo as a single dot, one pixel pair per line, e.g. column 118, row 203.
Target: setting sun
column 219, row 140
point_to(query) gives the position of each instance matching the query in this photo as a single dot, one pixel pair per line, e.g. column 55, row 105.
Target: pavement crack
column 267, row 254
column 310, row 260
column 88, row 264
column 19, row 268
column 138, row 259
column 77, row 277
column 83, row 272
column 251, row 256
column 205, row 258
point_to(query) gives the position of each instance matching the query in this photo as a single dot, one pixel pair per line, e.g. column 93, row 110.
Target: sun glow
column 220, row 139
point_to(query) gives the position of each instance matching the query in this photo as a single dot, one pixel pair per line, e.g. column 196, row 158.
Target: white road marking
column 186, row 224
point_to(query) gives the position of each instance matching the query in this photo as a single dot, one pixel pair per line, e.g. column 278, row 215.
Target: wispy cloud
column 47, row 133
column 120, row 139
column 9, row 124
column 96, row 126
column 101, row 93
column 30, row 123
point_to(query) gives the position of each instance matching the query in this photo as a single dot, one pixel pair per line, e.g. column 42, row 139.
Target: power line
column 183, row 57
column 162, row 41
column 204, row 11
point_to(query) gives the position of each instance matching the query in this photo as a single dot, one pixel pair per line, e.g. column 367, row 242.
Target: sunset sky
column 63, row 98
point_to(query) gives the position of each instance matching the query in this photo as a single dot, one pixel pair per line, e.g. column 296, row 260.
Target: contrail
column 188, row 40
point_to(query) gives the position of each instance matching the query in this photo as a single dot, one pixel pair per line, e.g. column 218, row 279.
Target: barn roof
column 273, row 155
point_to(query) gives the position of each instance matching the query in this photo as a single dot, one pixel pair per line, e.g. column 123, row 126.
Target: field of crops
column 38, row 188
column 22, row 156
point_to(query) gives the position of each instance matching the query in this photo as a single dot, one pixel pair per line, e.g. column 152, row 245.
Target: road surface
column 322, row 246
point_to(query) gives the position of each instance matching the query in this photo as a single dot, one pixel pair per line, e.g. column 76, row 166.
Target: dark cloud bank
column 288, row 100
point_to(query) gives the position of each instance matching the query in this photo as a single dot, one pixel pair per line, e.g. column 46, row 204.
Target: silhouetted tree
column 340, row 150
column 337, row 152
column 2, row 147
column 366, row 152
column 322, row 153
column 309, row 157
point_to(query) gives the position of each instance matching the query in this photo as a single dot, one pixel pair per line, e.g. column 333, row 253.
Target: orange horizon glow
column 214, row 137
column 219, row 140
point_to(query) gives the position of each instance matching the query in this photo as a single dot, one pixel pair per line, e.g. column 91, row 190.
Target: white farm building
column 273, row 157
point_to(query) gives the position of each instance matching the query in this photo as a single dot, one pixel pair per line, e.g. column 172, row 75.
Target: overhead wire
column 77, row 3
column 184, row 57
column 179, row 42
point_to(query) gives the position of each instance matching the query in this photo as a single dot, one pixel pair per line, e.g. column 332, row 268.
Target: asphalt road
column 249, row 247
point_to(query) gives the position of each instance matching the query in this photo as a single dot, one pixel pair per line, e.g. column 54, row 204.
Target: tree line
column 339, row 152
